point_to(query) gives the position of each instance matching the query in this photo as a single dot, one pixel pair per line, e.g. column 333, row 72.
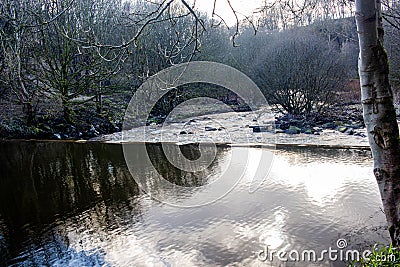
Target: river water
column 70, row 204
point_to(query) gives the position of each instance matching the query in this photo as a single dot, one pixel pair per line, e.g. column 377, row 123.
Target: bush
column 299, row 72
column 385, row 256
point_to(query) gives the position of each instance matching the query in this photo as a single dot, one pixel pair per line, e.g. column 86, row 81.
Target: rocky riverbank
column 342, row 126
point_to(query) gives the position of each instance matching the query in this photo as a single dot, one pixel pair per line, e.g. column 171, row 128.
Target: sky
column 243, row 6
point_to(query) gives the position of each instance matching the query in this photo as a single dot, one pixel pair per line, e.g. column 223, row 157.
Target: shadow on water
column 66, row 201
column 42, row 184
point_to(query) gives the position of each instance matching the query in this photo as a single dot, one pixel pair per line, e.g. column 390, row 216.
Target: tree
column 299, row 73
column 15, row 44
column 391, row 16
column 379, row 112
column 68, row 69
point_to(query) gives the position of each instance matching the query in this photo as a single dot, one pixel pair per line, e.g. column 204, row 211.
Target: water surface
column 68, row 204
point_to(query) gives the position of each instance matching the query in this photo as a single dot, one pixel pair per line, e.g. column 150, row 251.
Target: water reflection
column 78, row 205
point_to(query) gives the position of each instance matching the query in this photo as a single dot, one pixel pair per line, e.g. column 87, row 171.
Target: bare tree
column 15, row 45
column 299, row 72
column 379, row 112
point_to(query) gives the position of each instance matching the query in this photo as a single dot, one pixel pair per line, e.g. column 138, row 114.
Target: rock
column 357, row 126
column 360, row 134
column 260, row 129
column 317, row 133
column 279, row 131
column 293, row 130
column 342, row 129
column 329, row 125
column 210, row 129
column 350, row 131
column 183, row 132
column 308, row 131
column 92, row 131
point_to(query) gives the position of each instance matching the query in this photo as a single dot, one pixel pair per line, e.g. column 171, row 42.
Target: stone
column 357, row 125
column 293, row 130
column 329, row 125
column 308, row 131
column 183, row 132
column 210, row 129
column 350, row 131
column 279, row 131
column 260, row 129
column 342, row 129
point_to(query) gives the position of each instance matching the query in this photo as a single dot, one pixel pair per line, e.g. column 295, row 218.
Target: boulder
column 350, row 131
column 293, row 130
column 329, row 125
column 259, row 129
column 308, row 131
column 210, row 129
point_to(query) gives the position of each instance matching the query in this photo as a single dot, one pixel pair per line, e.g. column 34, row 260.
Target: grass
column 384, row 256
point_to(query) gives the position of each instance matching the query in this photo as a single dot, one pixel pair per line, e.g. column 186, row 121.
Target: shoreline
column 256, row 128
column 248, row 145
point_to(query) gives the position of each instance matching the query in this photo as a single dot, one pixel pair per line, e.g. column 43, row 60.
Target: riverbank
column 250, row 128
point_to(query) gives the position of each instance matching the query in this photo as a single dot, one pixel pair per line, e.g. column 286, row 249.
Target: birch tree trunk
column 378, row 109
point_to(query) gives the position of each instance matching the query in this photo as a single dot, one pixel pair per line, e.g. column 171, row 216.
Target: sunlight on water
column 78, row 205
column 323, row 181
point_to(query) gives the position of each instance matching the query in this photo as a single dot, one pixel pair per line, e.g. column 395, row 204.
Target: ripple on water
column 310, row 197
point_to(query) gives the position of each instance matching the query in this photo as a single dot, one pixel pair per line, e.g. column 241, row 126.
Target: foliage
column 385, row 256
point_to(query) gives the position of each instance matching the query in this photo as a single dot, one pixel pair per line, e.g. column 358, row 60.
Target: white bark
column 379, row 112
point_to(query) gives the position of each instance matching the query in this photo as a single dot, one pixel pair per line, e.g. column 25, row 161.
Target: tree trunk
column 378, row 109
column 29, row 113
column 66, row 109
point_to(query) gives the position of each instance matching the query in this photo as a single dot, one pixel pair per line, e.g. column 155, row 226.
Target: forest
column 68, row 68
column 199, row 133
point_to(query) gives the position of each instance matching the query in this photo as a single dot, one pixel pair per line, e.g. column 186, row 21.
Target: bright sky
column 245, row 7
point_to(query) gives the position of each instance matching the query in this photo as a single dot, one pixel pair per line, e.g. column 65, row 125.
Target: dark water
column 66, row 204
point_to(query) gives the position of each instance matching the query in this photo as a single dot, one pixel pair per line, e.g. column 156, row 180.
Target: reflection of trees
column 44, row 182
column 71, row 185
column 3, row 245
column 191, row 152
